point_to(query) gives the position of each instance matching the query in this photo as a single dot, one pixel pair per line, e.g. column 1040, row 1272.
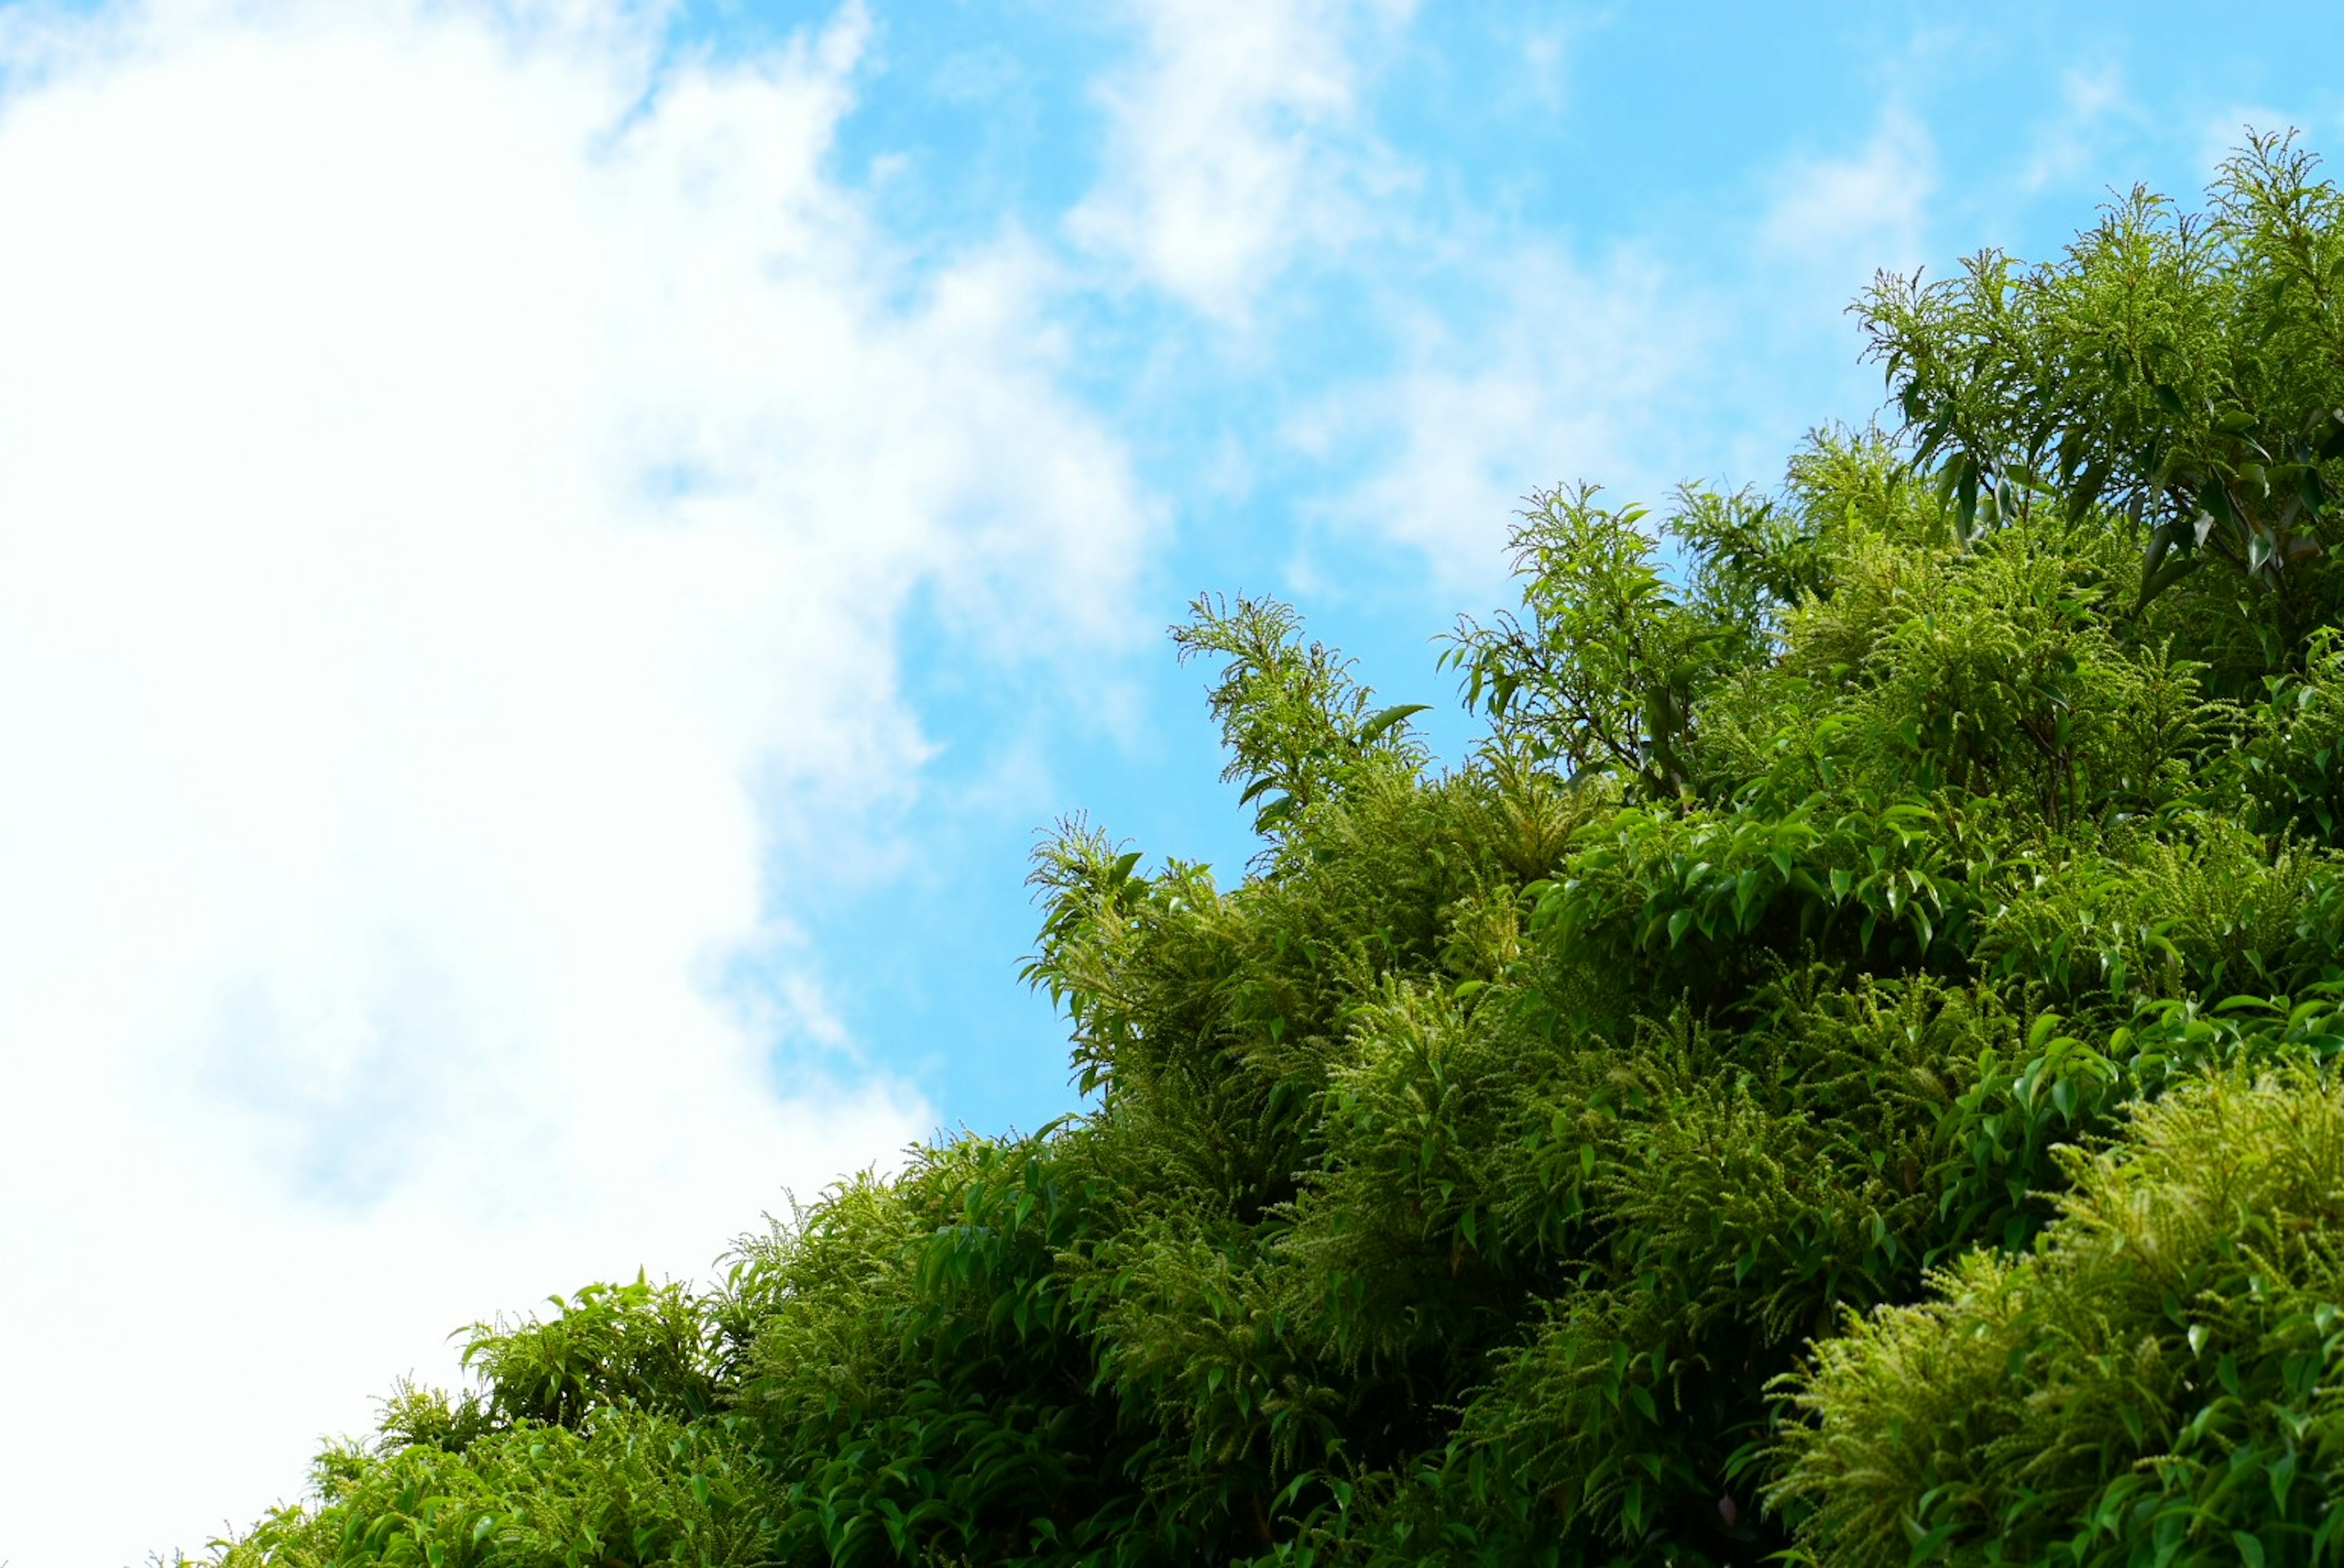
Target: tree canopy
column 1842, row 1069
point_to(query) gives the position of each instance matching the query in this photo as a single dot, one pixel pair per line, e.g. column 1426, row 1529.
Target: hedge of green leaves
column 1841, row 1070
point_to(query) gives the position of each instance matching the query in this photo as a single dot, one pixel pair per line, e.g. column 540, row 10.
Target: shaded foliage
column 2154, row 1384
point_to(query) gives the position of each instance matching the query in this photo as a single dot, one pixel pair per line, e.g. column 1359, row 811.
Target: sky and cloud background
column 554, row 556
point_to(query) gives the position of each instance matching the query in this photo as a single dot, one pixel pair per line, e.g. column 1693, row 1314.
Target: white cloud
column 2069, row 143
column 1847, row 215
column 1546, row 56
column 2221, row 135
column 1635, row 368
column 1566, row 375
column 462, row 485
column 1236, row 143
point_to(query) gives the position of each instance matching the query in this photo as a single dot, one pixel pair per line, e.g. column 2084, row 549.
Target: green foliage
column 2188, row 368
column 1841, row 1070
column 1296, row 725
column 636, row 1346
column 1601, row 669
column 2295, row 745
column 639, row 1488
column 2154, row 1384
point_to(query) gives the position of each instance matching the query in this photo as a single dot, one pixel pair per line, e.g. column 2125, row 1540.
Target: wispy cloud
column 2220, row 134
column 1546, row 45
column 1852, row 212
column 2090, row 102
column 1236, row 144
column 1632, row 364
column 463, row 485
column 1560, row 371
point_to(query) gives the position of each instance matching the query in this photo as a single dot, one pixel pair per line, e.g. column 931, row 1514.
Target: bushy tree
column 1841, row 1070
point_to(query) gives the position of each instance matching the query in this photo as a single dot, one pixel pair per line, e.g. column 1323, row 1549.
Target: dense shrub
column 2155, row 1383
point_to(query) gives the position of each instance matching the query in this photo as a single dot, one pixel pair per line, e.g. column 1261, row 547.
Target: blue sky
column 1670, row 158
column 558, row 553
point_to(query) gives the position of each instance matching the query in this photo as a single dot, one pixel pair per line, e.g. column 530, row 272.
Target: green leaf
column 1927, row 1544
column 1398, row 714
column 2172, row 571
